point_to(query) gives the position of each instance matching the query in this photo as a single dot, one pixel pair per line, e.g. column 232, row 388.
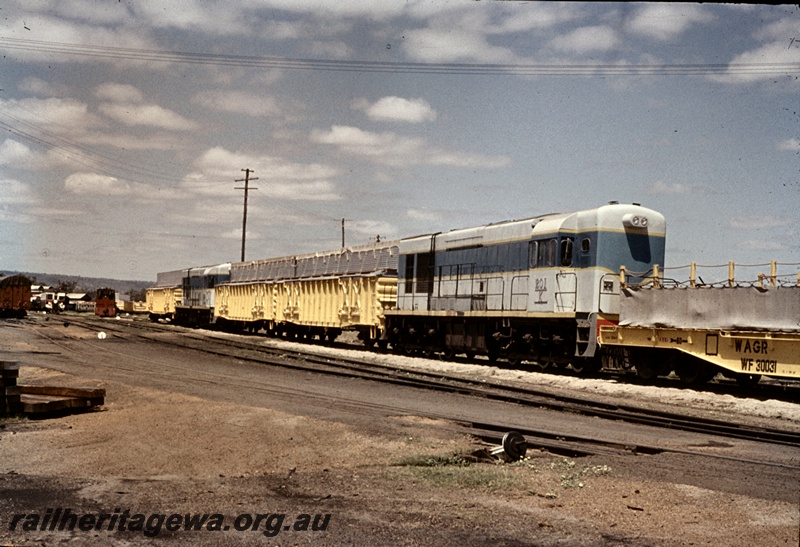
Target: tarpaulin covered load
column 731, row 308
column 367, row 259
column 170, row 279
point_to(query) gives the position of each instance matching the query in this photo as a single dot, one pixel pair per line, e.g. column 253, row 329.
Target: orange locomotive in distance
column 105, row 304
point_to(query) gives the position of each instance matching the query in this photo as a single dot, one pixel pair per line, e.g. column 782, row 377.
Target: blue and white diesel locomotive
column 198, row 294
column 534, row 289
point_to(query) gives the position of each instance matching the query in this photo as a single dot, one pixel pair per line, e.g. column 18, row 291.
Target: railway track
column 246, row 350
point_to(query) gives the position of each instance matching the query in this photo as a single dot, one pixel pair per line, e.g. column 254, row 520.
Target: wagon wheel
column 747, row 380
column 642, row 361
column 692, row 371
column 646, row 371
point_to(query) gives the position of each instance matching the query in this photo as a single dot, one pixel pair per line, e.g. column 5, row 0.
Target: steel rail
column 502, row 392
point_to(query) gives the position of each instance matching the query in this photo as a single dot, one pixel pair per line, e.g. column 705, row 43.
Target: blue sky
column 126, row 124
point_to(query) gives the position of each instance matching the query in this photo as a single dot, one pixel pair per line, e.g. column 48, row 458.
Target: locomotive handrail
column 560, row 294
column 523, row 294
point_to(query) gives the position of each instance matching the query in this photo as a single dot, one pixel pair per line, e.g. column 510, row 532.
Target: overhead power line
column 520, row 69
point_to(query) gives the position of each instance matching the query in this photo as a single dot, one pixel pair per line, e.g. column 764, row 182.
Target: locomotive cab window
column 566, row 252
column 543, row 253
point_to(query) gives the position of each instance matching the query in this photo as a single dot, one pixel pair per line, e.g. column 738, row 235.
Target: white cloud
column 588, row 39
column 425, row 215
column 529, row 16
column 664, row 21
column 37, row 86
column 761, row 245
column 398, row 109
column 237, row 102
column 453, row 45
column 372, row 228
column 276, row 176
column 757, row 222
column 95, row 184
column 121, row 93
column 661, row 187
column 392, row 149
column 789, row 144
column 56, row 115
column 16, row 154
column 742, row 68
column 47, row 28
column 15, row 192
column 147, row 115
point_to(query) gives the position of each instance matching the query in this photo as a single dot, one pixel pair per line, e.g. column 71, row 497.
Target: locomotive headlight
column 635, row 221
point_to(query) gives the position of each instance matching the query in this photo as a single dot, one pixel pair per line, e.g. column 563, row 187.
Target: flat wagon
column 744, row 331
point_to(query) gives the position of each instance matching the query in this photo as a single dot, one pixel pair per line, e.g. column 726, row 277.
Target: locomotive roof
column 605, row 217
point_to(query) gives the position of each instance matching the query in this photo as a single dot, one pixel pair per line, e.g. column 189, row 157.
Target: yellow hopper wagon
column 317, row 295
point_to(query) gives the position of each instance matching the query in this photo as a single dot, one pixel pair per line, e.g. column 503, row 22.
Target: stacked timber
column 42, row 401
column 10, row 400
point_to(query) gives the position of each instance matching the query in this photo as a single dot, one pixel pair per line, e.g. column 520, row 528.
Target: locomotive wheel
column 587, row 365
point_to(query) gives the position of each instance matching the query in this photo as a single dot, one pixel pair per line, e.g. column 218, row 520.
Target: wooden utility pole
column 343, row 221
column 246, row 188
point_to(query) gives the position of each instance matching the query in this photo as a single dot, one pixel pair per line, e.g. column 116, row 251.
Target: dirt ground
column 402, row 481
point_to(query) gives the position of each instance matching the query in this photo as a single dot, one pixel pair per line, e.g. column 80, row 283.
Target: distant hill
column 84, row 284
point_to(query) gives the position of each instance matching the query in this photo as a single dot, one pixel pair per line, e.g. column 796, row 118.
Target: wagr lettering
column 756, row 346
